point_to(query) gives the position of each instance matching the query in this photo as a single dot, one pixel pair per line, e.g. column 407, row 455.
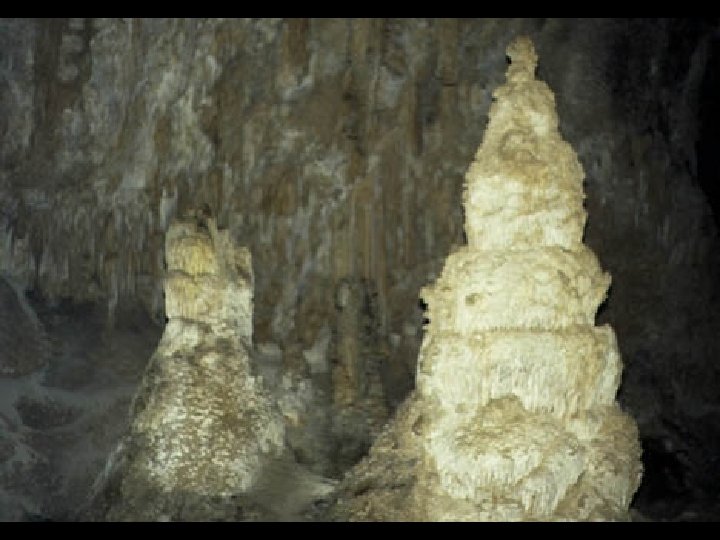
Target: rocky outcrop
column 514, row 416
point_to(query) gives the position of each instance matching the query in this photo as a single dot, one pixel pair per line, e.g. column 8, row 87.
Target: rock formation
column 335, row 150
column 514, row 414
column 202, row 427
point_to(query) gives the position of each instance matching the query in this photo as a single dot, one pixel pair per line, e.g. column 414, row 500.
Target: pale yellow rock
column 208, row 278
column 524, row 188
column 501, row 363
column 190, row 252
column 203, row 430
column 514, row 414
column 482, row 290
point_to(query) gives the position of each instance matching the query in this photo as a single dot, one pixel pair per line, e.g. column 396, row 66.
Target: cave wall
column 335, row 150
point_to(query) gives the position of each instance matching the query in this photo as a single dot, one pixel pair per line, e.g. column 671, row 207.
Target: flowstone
column 514, row 414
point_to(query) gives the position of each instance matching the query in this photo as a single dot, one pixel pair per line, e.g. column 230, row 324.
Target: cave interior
column 335, row 151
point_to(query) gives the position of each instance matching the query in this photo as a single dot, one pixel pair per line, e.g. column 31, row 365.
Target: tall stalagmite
column 202, row 427
column 514, row 415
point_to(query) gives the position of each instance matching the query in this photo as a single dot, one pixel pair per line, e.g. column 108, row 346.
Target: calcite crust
column 202, row 426
column 516, row 363
column 482, row 290
column 514, row 414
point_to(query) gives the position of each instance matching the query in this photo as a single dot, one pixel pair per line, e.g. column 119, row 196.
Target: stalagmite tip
column 522, row 56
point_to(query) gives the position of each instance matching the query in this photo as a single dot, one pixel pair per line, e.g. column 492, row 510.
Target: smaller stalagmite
column 202, row 428
column 514, row 415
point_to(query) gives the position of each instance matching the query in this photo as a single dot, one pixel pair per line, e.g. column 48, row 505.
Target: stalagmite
column 202, row 427
column 514, row 414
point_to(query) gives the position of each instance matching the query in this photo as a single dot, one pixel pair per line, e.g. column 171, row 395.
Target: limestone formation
column 514, row 414
column 335, row 150
column 202, row 427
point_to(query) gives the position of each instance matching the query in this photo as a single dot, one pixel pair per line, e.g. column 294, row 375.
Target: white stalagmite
column 202, row 428
column 514, row 414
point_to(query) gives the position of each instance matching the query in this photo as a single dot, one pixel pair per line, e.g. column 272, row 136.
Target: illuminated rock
column 202, row 427
column 514, row 414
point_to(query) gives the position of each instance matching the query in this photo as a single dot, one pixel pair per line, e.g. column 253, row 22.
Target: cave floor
column 65, row 419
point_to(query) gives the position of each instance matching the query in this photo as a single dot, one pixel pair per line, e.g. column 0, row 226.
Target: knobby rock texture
column 514, row 413
column 334, row 150
column 201, row 425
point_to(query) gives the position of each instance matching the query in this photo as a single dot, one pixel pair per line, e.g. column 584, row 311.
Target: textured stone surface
column 516, row 414
column 202, row 426
column 335, row 149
